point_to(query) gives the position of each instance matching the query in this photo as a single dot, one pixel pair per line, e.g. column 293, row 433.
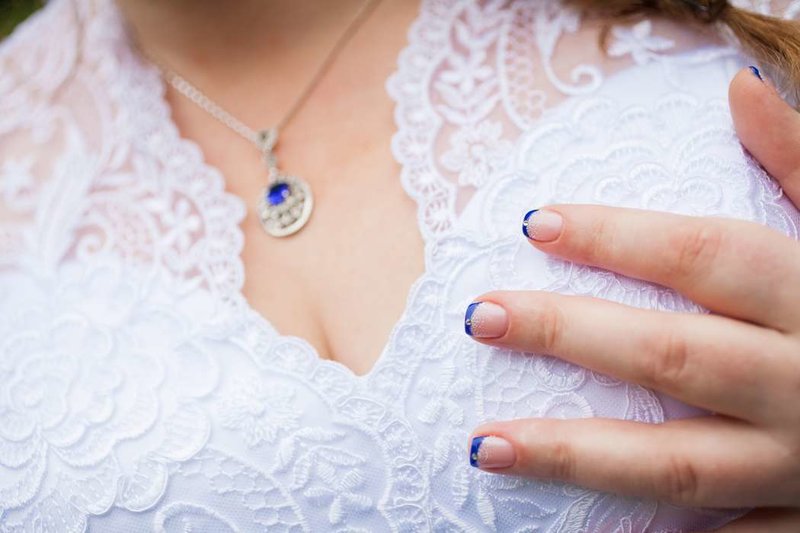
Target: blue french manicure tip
column 525, row 221
column 756, row 72
column 468, row 317
column 474, row 447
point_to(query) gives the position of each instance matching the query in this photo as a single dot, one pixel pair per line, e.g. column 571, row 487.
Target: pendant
column 285, row 205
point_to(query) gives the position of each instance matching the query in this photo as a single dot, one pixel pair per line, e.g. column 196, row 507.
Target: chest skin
column 342, row 282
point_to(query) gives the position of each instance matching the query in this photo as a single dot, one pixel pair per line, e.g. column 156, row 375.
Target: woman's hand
column 742, row 361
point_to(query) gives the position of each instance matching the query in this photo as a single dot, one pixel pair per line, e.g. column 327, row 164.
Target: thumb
column 769, row 128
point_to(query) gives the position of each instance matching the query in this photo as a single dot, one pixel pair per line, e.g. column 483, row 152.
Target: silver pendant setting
column 285, row 205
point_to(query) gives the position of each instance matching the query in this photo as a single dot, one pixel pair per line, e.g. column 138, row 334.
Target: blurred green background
column 12, row 12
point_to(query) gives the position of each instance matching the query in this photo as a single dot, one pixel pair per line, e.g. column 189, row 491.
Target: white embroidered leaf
column 485, row 508
column 471, row 115
column 352, row 480
column 338, row 457
column 335, row 511
column 441, row 452
column 357, row 501
column 301, row 472
column 461, row 386
column 430, row 413
column 455, row 415
column 318, row 494
column 285, row 454
column 451, row 95
column 461, row 478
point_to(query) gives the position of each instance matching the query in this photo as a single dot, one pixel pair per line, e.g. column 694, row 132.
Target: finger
column 709, row 461
column 735, row 268
column 709, row 361
column 769, row 128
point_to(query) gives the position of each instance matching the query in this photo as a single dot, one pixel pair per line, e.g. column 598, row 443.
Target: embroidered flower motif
column 73, row 387
column 476, row 152
column 638, row 42
column 182, row 222
column 440, row 390
column 260, row 411
column 339, row 494
column 39, row 386
column 469, row 88
column 467, row 71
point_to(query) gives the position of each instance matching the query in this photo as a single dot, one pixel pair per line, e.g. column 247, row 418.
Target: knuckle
column 594, row 249
column 562, row 461
column 679, row 483
column 550, row 322
column 696, row 248
column 665, row 365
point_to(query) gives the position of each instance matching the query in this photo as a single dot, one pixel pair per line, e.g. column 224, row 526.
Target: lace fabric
column 139, row 391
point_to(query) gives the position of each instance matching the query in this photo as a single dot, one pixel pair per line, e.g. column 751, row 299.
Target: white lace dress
column 139, row 391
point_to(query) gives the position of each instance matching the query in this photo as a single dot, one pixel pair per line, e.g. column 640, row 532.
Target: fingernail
column 491, row 452
column 542, row 225
column 756, row 72
column 485, row 320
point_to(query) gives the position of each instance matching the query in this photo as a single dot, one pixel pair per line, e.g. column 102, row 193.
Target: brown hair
column 772, row 42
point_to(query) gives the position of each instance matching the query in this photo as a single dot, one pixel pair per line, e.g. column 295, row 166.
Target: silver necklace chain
column 195, row 95
column 265, row 140
column 286, row 204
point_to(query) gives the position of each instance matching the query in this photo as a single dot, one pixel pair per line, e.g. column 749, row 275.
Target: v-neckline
column 191, row 152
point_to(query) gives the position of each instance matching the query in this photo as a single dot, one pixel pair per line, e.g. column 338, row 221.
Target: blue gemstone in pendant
column 278, row 193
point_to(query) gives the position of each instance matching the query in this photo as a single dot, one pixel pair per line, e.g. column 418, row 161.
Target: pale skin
column 342, row 282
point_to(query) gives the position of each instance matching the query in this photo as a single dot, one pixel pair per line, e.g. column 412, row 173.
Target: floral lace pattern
column 492, row 70
column 138, row 390
column 639, row 42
